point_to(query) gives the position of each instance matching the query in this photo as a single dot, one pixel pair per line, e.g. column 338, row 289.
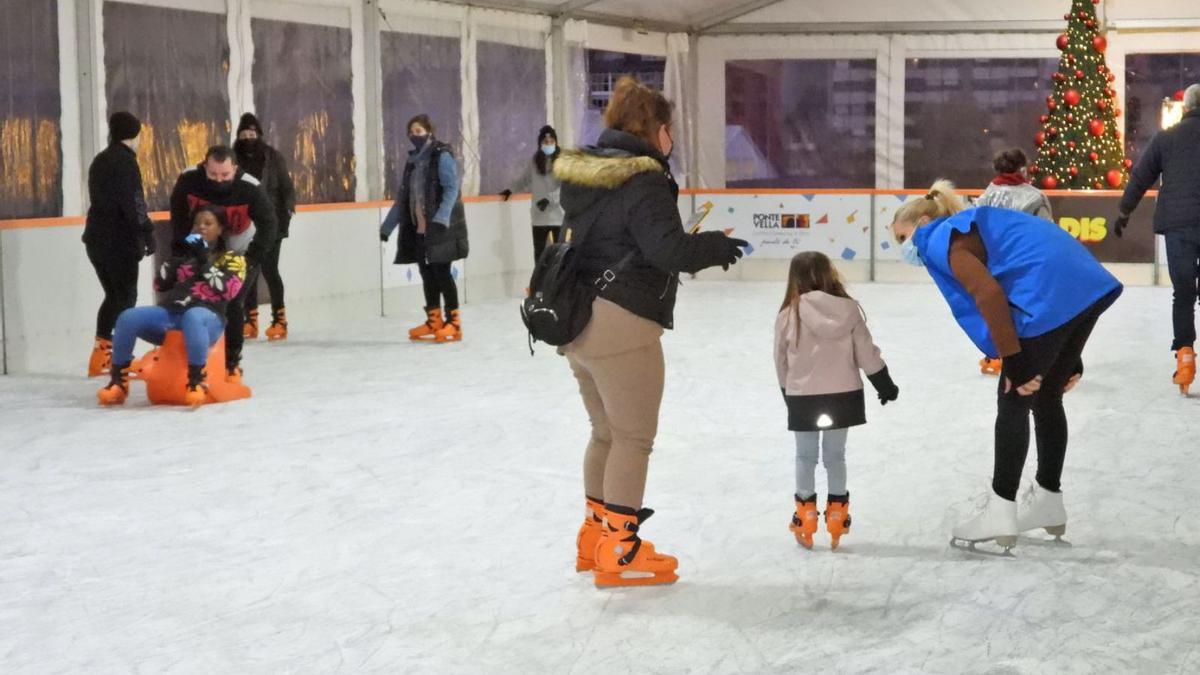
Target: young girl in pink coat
column 821, row 344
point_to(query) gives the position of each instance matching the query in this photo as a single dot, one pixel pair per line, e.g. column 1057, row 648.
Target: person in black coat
column 1174, row 155
column 118, row 233
column 433, row 228
column 218, row 180
column 266, row 164
column 621, row 198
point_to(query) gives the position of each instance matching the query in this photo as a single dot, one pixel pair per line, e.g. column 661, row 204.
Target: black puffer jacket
column 117, row 222
column 1174, row 154
column 622, row 191
column 270, row 168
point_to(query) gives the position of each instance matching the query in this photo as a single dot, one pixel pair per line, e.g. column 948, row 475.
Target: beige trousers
column 618, row 362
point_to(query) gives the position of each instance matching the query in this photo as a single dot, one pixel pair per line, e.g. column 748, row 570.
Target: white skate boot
column 996, row 522
column 1041, row 508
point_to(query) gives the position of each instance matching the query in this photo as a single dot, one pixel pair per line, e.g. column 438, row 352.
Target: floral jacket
column 194, row 281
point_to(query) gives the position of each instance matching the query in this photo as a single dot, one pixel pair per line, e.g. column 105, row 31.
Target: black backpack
column 559, row 304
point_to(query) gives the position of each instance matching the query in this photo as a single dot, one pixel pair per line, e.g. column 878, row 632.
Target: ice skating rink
column 385, row 507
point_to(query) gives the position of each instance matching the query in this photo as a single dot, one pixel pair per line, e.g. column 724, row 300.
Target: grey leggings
column 832, row 443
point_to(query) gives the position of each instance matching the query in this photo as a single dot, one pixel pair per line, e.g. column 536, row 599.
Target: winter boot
column 623, row 558
column 452, row 330
column 1185, row 369
column 837, row 517
column 117, row 390
column 101, row 359
column 1044, row 509
column 278, row 328
column 433, row 323
column 990, row 366
column 996, row 522
column 197, row 391
column 250, row 328
column 589, row 536
column 804, row 520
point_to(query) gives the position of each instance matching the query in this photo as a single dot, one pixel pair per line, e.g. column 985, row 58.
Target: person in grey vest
column 1011, row 189
column 546, row 210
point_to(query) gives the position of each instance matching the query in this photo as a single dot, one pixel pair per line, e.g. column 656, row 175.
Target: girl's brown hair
column 637, row 109
column 810, row 271
column 1010, row 161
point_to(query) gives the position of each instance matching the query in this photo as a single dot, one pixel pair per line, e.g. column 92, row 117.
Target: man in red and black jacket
column 252, row 227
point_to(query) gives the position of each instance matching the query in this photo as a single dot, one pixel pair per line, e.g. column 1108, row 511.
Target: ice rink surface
column 380, row 506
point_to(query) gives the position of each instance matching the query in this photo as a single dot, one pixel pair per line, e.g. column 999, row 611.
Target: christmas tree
column 1079, row 146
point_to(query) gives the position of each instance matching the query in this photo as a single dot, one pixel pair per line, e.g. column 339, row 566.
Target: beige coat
column 832, row 346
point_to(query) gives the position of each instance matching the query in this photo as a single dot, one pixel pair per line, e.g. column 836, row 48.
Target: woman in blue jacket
column 1026, row 291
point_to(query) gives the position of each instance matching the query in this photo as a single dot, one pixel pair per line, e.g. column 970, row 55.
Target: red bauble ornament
column 1091, row 23
column 1053, row 152
column 1058, row 77
column 1079, row 74
column 1040, row 138
column 1102, row 105
column 1112, row 78
column 1116, row 133
column 1051, row 104
column 1098, row 185
column 1116, row 113
column 1127, row 163
column 1179, row 95
column 1071, row 144
column 1062, row 42
column 1049, row 182
column 1083, row 15
column 1095, row 2
column 1100, row 44
column 1072, row 97
column 1070, row 118
column 1114, row 178
column 1096, row 127
column 1074, row 171
column 1045, row 118
column 1094, row 157
column 1052, row 132
column 1067, row 16
column 1110, row 92
column 1033, row 169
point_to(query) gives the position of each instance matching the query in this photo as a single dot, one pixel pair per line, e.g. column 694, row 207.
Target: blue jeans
column 201, row 329
column 1183, row 263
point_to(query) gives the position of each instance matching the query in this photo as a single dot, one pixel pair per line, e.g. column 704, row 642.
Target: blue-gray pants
column 832, row 444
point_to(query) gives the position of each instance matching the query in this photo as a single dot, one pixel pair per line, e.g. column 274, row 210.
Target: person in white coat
column 545, row 210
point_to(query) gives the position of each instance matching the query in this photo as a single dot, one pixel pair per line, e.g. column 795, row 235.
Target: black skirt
column 846, row 409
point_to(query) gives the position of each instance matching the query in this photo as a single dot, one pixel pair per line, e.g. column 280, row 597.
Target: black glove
column 149, row 247
column 884, row 386
column 1019, row 369
column 1078, row 369
column 383, row 237
column 1120, row 224
column 507, row 194
column 542, row 204
column 733, row 251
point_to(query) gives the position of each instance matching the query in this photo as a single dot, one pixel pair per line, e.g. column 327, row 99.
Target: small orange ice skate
column 804, row 521
column 589, row 536
column 1185, row 369
column 837, row 517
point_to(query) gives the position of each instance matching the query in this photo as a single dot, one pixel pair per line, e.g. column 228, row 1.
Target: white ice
column 380, row 506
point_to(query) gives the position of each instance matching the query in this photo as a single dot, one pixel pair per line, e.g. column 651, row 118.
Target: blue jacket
column 1047, row 275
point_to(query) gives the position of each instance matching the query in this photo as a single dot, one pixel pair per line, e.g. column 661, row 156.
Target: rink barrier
column 49, row 295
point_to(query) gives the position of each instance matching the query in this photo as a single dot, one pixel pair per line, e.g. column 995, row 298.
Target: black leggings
column 270, row 274
column 235, row 312
column 119, row 279
column 438, row 281
column 1058, row 357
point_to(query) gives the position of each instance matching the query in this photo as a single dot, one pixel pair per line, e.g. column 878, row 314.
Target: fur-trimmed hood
column 606, row 171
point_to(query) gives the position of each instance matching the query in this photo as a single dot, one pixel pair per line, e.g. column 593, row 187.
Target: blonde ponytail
column 939, row 202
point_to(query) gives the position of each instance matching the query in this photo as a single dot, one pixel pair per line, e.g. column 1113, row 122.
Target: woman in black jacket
column 635, row 246
column 266, row 164
column 433, row 228
column 118, row 233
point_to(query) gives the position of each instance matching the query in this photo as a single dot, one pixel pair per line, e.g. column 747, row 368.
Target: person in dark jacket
column 266, row 164
column 218, row 180
column 118, row 233
column 433, row 228
column 195, row 288
column 1023, row 289
column 1174, row 155
column 634, row 248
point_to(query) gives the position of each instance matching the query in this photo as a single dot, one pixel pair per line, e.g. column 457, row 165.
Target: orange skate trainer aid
column 428, row 330
column 990, row 366
column 589, row 536
column 1185, row 369
column 804, row 521
column 837, row 517
column 623, row 558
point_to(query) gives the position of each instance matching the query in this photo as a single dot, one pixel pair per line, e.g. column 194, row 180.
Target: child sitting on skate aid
column 195, row 289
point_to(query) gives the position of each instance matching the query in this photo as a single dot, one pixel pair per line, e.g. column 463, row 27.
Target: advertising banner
column 779, row 226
